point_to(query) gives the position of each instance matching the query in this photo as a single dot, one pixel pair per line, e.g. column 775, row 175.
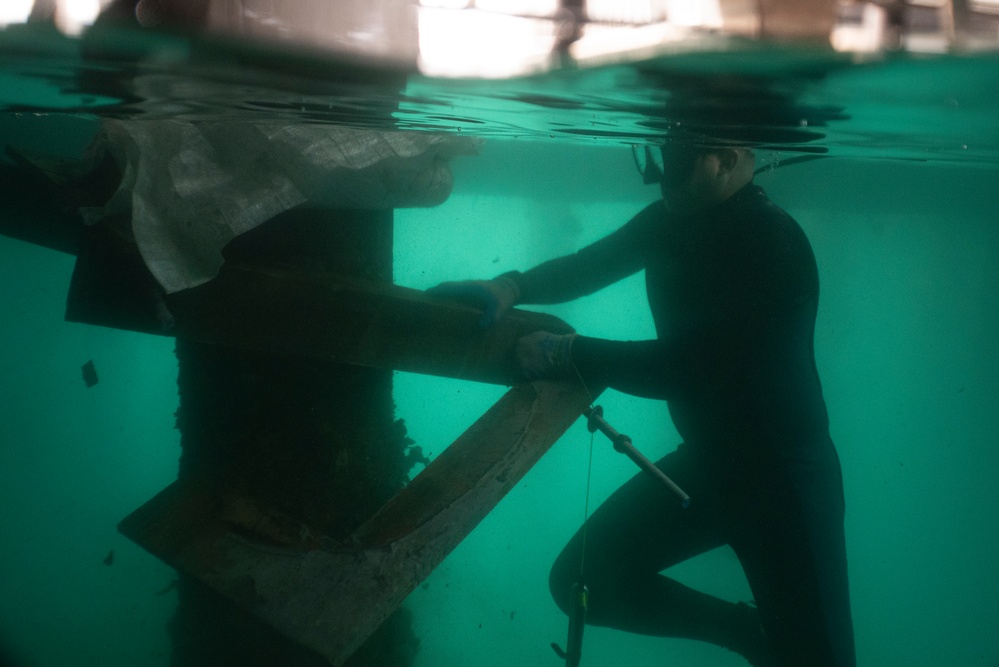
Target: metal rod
column 573, row 652
column 622, row 443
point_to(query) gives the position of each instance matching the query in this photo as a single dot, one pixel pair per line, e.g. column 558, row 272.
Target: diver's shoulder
column 774, row 228
column 652, row 217
column 654, row 211
column 766, row 210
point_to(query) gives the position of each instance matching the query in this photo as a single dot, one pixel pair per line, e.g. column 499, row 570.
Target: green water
column 906, row 346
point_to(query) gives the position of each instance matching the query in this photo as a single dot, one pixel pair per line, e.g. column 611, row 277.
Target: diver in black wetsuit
column 733, row 288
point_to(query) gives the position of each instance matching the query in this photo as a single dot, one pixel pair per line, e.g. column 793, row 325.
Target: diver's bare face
column 690, row 181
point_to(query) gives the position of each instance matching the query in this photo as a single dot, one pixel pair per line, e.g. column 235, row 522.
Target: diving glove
column 544, row 355
column 495, row 297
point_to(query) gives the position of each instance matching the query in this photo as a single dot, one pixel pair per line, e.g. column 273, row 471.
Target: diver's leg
column 792, row 548
column 640, row 531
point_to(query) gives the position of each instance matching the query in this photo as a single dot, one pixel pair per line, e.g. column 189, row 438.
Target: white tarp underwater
column 191, row 187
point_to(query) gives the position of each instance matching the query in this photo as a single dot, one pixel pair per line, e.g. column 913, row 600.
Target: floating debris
column 90, row 376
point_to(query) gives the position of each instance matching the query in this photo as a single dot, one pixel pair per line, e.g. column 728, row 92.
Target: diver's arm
column 646, row 368
column 598, row 265
column 762, row 316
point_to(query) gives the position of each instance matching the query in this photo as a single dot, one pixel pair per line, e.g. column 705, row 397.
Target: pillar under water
column 315, row 443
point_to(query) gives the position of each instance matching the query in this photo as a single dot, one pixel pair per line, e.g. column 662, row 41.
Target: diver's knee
column 560, row 580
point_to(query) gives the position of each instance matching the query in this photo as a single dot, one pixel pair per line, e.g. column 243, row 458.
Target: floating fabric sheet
column 191, row 187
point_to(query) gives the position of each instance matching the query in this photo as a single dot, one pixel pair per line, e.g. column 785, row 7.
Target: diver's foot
column 750, row 642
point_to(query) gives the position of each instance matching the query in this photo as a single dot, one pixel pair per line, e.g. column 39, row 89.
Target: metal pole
column 622, row 443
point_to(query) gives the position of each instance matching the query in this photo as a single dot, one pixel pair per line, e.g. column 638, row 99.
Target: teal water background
column 906, row 347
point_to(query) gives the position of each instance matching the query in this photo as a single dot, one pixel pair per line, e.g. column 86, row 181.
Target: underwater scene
column 222, row 374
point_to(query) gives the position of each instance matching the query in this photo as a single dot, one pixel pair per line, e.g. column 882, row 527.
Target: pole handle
column 622, row 443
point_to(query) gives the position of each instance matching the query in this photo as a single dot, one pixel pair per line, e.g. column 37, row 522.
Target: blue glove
column 495, row 297
column 544, row 355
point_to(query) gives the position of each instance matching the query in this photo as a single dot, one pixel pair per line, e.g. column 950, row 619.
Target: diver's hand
column 495, row 297
column 544, row 355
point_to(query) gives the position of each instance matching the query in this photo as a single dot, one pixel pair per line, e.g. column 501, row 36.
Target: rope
column 589, row 477
column 586, row 508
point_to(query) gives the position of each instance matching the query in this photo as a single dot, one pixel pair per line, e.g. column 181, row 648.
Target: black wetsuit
column 733, row 293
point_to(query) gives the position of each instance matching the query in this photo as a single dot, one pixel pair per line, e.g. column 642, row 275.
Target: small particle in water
column 109, row 559
column 512, row 614
column 89, row 374
column 964, row 147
